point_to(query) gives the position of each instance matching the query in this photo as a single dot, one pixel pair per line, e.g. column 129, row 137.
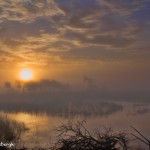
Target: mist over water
column 44, row 105
column 44, row 116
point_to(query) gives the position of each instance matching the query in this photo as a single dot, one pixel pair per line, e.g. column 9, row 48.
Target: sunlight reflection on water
column 42, row 125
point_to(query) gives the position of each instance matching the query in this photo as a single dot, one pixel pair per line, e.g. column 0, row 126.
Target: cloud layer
column 42, row 32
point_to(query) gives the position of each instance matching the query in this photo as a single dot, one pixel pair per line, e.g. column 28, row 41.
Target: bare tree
column 75, row 136
column 141, row 137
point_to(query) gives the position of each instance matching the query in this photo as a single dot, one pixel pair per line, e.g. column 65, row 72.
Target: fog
column 57, row 98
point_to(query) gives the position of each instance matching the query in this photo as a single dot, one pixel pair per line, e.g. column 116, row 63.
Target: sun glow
column 26, row 74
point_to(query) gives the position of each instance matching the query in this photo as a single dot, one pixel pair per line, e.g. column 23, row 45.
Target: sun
column 26, row 74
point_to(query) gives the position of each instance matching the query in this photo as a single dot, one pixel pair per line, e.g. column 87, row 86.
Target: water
column 118, row 116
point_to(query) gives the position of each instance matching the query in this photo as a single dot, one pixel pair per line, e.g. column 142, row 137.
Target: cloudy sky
column 105, row 40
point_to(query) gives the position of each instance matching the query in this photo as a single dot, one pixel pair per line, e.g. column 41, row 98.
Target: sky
column 104, row 43
column 88, row 58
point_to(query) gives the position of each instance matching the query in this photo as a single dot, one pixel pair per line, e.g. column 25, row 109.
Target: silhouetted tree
column 74, row 136
column 89, row 83
column 7, row 85
column 18, row 84
column 141, row 137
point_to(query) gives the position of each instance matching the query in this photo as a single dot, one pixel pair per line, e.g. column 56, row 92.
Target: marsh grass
column 11, row 131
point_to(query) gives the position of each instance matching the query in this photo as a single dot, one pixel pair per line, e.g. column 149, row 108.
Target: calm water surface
column 42, row 124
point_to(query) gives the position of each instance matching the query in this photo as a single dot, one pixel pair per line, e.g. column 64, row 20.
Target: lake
column 117, row 115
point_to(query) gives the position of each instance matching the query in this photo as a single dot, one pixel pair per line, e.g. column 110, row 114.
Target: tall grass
column 10, row 130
